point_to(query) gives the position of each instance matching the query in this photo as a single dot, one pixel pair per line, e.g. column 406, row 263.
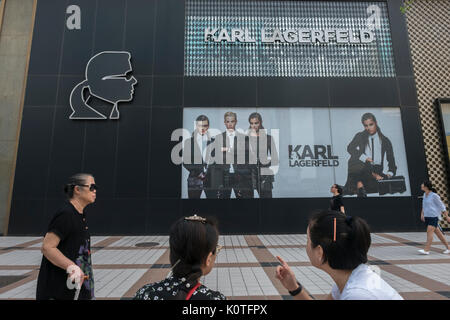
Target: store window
column 295, row 153
column 443, row 108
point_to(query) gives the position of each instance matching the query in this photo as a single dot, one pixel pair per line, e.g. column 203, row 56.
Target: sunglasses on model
column 92, row 187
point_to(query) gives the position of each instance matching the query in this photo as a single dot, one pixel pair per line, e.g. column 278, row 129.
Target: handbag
column 395, row 184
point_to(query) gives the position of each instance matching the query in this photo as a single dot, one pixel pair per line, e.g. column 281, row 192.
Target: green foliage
column 406, row 5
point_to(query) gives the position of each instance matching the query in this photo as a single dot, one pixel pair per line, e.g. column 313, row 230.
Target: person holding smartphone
column 66, row 267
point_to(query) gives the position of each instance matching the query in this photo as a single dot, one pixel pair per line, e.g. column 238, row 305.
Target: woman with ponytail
column 193, row 251
column 338, row 245
column 432, row 208
column 66, row 268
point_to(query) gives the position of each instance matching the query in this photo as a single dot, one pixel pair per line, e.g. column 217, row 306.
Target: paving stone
column 119, row 265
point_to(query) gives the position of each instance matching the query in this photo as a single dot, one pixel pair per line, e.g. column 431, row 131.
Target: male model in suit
column 234, row 164
column 371, row 159
column 197, row 153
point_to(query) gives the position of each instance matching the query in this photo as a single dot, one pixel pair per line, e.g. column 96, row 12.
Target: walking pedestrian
column 432, row 208
column 336, row 202
column 66, row 267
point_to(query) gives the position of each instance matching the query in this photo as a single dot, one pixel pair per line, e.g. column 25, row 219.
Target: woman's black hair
column 368, row 116
column 257, row 116
column 429, row 186
column 75, row 180
column 371, row 116
column 190, row 244
column 349, row 249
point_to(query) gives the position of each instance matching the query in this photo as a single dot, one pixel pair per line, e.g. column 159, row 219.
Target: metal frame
column 2, row 7
column 19, row 125
column 437, row 104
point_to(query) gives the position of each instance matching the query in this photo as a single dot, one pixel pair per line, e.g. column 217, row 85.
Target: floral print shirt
column 169, row 287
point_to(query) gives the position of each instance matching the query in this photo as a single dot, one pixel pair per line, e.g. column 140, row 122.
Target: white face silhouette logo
column 107, row 80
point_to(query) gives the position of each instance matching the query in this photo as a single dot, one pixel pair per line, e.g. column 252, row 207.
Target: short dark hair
column 202, row 117
column 429, row 185
column 190, row 244
column 352, row 239
column 339, row 188
column 75, row 180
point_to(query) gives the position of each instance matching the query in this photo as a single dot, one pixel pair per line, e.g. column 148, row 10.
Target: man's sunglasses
column 92, row 187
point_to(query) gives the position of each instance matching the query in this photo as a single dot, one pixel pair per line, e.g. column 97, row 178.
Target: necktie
column 373, row 153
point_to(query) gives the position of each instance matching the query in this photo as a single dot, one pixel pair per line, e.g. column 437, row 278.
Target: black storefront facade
column 130, row 157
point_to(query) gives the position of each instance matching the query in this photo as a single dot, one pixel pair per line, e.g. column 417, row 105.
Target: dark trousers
column 366, row 177
column 240, row 184
column 264, row 186
column 196, row 193
column 265, row 193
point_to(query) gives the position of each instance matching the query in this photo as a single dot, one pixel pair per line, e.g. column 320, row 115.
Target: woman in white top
column 432, row 208
column 338, row 245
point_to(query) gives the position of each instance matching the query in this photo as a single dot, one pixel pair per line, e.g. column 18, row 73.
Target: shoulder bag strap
column 189, row 295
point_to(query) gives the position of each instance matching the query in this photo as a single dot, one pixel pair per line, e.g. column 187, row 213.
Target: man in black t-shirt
column 336, row 202
column 66, row 247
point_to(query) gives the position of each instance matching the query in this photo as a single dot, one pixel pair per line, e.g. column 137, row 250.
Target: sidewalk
column 245, row 268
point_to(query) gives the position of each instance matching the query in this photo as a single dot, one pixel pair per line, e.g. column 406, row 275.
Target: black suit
column 200, row 174
column 241, row 180
column 362, row 171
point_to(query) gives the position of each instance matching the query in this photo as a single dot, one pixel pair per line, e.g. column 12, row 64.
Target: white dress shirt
column 376, row 152
column 231, row 135
column 202, row 142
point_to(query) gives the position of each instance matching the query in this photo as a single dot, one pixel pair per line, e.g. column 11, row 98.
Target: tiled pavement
column 245, row 268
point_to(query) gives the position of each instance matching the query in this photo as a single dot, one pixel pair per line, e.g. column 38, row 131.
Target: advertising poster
column 293, row 152
column 445, row 110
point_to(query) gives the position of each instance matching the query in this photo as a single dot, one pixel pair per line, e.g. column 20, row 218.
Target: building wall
column 429, row 36
column 429, row 40
column 130, row 158
column 15, row 40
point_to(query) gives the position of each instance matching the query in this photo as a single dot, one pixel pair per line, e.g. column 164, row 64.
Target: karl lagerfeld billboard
column 291, row 152
column 287, row 39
